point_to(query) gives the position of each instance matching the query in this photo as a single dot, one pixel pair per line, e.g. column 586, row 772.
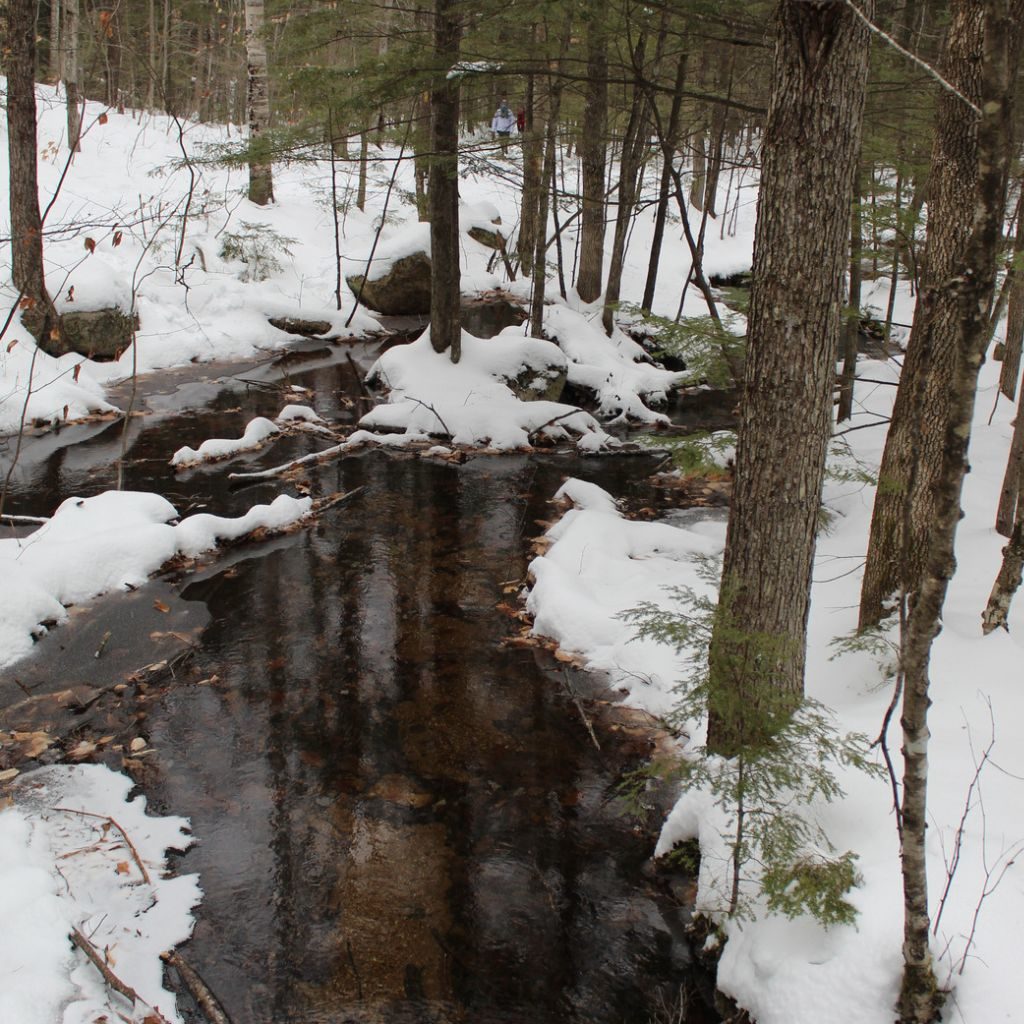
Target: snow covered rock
column 403, row 289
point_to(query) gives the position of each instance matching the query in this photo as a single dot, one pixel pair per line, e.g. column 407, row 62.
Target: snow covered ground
column 76, row 853
column 124, row 194
column 794, row 971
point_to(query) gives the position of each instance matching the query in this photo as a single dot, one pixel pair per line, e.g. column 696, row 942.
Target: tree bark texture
column 982, row 33
column 851, row 322
column 905, row 502
column 529, row 217
column 593, row 149
column 26, row 225
column 1010, row 369
column 443, row 190
column 630, row 164
column 548, row 195
column 997, row 612
column 664, row 189
column 72, row 95
column 55, row 53
column 811, row 147
column 261, row 180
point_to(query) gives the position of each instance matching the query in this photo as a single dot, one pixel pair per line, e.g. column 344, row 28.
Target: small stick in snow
column 109, row 976
column 198, row 989
column 124, row 835
column 551, row 422
column 444, row 426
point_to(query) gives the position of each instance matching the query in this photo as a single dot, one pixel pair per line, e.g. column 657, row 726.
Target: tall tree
column 26, row 223
column 915, row 446
column 443, row 189
column 593, row 148
column 72, row 94
column 811, row 145
column 984, row 36
column 261, row 181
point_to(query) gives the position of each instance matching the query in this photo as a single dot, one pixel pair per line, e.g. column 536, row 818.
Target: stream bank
column 401, row 817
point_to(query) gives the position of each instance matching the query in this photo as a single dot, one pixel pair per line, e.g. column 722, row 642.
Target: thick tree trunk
column 982, row 34
column 261, row 180
column 443, row 194
column 72, row 95
column 593, row 148
column 811, row 146
column 26, row 223
column 905, row 503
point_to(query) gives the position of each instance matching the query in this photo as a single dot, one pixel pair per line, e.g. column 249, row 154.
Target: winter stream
column 400, row 816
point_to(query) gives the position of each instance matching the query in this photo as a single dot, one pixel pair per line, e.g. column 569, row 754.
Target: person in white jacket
column 503, row 122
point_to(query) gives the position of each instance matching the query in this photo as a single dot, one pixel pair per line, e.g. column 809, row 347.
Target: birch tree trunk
column 261, row 181
column 985, row 34
column 811, row 146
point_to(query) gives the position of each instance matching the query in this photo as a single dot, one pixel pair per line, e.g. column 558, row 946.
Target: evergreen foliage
column 776, row 847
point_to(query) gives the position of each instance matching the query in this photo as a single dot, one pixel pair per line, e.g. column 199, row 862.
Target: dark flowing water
column 400, row 817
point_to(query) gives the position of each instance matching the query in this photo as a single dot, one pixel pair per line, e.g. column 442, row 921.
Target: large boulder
column 403, row 289
column 100, row 334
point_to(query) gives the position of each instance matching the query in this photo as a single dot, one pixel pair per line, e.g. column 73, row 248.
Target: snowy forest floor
column 116, row 236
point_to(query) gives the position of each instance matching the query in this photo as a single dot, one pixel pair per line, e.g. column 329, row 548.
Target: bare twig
column 124, row 835
column 444, row 426
column 882, row 739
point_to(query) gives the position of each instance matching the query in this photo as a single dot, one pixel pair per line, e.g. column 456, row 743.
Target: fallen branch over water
column 207, row 1002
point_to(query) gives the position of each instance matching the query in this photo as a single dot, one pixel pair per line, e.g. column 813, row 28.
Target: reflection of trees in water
column 400, row 810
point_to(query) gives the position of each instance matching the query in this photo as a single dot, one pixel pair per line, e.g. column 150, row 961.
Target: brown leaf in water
column 161, row 607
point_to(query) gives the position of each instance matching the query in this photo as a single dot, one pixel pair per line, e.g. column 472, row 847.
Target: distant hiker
column 503, row 122
column 521, row 120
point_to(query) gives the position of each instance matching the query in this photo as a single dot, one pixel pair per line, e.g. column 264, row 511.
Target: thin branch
column 124, row 835
column 927, row 68
column 109, row 976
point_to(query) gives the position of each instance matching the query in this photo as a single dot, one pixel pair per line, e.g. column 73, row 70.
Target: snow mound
column 470, row 401
column 94, row 545
column 65, row 865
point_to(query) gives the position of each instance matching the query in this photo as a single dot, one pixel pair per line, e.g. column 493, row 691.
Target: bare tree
column 983, row 35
